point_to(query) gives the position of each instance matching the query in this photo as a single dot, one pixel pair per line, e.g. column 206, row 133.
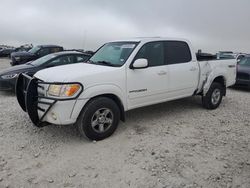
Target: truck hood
column 22, row 54
column 73, row 73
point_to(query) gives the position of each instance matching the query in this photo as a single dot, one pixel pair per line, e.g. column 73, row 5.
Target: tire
column 213, row 97
column 96, row 116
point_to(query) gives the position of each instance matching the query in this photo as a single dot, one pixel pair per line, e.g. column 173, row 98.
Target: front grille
column 243, row 76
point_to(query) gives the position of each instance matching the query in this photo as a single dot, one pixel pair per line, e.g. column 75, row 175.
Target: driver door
column 148, row 85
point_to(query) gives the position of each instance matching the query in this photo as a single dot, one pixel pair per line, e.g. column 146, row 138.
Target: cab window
column 63, row 60
column 81, row 58
column 54, row 50
column 177, row 52
column 153, row 52
column 44, row 51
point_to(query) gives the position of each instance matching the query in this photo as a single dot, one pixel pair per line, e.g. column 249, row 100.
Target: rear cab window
column 55, row 49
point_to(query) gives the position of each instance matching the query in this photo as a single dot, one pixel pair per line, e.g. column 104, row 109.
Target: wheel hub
column 102, row 120
column 216, row 95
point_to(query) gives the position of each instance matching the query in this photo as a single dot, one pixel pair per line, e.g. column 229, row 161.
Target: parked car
column 5, row 52
column 243, row 73
column 18, row 58
column 8, row 76
column 121, row 76
column 241, row 56
column 25, row 47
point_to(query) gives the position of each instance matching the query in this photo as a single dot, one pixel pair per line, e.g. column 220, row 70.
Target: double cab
column 121, row 76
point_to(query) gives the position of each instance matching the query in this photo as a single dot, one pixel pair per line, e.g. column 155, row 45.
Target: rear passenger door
column 183, row 73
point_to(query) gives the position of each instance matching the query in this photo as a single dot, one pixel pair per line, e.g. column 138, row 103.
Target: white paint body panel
column 155, row 84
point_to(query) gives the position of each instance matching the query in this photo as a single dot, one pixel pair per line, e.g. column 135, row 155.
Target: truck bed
column 211, row 68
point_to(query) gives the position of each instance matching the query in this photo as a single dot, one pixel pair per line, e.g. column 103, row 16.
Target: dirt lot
column 176, row 144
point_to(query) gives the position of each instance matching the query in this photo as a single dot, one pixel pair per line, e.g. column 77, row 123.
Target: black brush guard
column 28, row 98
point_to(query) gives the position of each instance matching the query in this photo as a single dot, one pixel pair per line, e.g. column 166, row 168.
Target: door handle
column 231, row 66
column 161, row 73
column 193, row 69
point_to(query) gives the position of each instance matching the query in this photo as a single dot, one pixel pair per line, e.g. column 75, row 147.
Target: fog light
column 54, row 116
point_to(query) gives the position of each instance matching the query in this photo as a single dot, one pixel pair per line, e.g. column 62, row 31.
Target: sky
column 210, row 25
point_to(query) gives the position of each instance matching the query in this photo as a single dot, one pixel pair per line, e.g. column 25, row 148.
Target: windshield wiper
column 105, row 63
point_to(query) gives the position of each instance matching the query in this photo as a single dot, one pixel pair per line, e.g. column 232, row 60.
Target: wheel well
column 221, row 80
column 117, row 101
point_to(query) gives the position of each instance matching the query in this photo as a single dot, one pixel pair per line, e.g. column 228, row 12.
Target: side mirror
column 140, row 64
column 238, row 60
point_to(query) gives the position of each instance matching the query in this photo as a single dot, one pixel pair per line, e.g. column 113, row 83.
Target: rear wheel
column 99, row 118
column 213, row 97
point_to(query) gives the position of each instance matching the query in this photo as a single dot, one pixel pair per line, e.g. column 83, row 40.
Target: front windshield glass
column 34, row 50
column 245, row 61
column 113, row 54
column 43, row 60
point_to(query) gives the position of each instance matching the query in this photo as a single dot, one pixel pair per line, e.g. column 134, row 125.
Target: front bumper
column 7, row 85
column 44, row 110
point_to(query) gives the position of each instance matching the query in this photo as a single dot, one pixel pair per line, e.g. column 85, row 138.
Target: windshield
column 245, row 61
column 43, row 60
column 113, row 54
column 34, row 50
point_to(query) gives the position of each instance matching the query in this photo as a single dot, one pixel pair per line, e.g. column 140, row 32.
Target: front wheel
column 213, row 97
column 99, row 119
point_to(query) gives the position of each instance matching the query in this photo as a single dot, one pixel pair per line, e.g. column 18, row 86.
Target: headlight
column 9, row 76
column 64, row 90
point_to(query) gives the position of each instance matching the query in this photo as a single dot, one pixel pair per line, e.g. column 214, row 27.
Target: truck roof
column 47, row 46
column 148, row 39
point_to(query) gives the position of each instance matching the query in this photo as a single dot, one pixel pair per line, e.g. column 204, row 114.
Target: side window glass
column 43, row 52
column 54, row 50
column 153, row 52
column 81, row 58
column 177, row 52
column 64, row 60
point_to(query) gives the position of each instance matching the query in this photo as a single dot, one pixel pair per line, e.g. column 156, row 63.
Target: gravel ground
column 175, row 144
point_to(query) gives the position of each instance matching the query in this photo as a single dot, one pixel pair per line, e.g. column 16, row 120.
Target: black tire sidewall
column 84, row 123
column 207, row 100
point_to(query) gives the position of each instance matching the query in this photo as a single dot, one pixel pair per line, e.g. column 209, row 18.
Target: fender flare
column 210, row 80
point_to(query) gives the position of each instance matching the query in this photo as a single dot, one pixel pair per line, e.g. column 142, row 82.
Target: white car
column 121, row 76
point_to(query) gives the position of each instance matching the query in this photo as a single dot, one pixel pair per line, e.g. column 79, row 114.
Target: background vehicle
column 241, row 56
column 18, row 58
column 5, row 52
column 8, row 77
column 121, row 76
column 25, row 47
column 243, row 73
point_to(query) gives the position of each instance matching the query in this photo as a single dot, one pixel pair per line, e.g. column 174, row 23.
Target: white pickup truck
column 121, row 76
